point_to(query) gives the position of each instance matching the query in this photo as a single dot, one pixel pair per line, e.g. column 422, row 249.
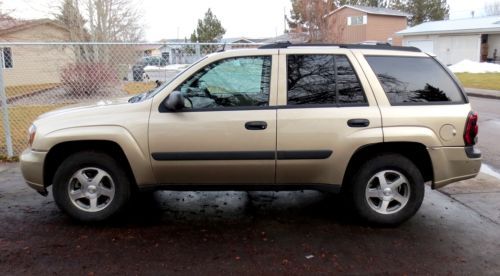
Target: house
column 356, row 24
column 33, row 64
column 297, row 37
column 175, row 51
column 476, row 39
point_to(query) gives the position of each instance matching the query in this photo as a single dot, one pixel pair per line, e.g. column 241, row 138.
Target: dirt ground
column 207, row 233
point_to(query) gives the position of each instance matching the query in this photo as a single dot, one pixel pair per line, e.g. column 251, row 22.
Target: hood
column 84, row 106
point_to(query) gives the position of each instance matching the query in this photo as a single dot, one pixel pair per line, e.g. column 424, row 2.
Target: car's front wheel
column 388, row 189
column 91, row 186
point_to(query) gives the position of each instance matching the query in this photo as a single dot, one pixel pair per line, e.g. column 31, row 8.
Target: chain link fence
column 38, row 77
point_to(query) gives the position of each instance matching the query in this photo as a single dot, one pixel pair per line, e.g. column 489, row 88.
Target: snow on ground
column 168, row 67
column 468, row 66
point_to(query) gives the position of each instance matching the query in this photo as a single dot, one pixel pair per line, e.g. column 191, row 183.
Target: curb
column 481, row 93
column 477, row 95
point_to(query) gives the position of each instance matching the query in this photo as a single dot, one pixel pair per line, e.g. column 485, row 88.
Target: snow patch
column 468, row 66
column 489, row 171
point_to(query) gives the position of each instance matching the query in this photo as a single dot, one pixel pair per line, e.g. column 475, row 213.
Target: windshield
column 151, row 93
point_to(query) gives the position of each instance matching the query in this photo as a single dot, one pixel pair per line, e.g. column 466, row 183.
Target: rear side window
column 322, row 80
column 408, row 80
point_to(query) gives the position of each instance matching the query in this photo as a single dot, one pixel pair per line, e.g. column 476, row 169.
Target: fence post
column 5, row 110
column 198, row 50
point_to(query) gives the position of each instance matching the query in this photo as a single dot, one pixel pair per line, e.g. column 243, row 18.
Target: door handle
column 358, row 122
column 256, row 125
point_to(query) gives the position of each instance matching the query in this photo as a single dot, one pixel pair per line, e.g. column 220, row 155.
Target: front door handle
column 358, row 122
column 256, row 125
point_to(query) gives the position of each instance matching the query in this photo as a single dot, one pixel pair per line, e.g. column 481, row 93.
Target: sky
column 240, row 18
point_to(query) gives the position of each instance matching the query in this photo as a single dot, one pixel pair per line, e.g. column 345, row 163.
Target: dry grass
column 138, row 87
column 21, row 118
column 489, row 81
column 18, row 90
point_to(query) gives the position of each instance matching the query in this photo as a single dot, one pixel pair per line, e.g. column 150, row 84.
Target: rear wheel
column 91, row 186
column 387, row 190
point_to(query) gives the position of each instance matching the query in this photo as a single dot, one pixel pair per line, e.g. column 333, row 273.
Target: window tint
column 414, row 80
column 349, row 88
column 233, row 82
column 322, row 79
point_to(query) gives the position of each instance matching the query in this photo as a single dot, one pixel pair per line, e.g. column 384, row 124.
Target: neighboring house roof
column 372, row 10
column 291, row 37
column 237, row 40
column 468, row 25
column 10, row 25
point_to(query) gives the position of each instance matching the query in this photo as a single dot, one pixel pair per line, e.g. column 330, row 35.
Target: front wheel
column 91, row 186
column 387, row 190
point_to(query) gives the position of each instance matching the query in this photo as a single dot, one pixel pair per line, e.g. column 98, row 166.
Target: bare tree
column 309, row 15
column 101, row 20
column 114, row 20
column 492, row 8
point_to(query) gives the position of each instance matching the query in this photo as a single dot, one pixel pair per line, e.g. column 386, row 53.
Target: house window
column 357, row 20
column 6, row 55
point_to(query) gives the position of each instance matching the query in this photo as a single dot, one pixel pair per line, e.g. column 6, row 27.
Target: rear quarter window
column 415, row 80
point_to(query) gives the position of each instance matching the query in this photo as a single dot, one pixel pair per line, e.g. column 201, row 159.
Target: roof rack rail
column 377, row 46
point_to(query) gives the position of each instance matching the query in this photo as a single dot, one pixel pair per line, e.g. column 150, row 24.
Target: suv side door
column 226, row 134
column 327, row 111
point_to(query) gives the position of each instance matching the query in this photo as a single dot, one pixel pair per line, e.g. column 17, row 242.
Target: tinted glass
column 234, row 82
column 322, row 79
column 414, row 80
column 349, row 88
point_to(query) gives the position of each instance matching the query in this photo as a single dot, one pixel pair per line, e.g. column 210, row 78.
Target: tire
column 389, row 202
column 104, row 192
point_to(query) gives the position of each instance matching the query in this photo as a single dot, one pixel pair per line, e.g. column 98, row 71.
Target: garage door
column 424, row 45
column 453, row 49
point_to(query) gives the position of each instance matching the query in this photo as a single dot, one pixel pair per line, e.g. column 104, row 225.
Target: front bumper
column 32, row 169
column 452, row 164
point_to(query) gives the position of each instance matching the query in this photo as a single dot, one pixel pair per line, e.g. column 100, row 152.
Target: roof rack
column 377, row 46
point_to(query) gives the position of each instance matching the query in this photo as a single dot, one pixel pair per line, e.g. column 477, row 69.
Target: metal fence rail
column 36, row 77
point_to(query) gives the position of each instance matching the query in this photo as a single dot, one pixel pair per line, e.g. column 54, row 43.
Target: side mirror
column 174, row 101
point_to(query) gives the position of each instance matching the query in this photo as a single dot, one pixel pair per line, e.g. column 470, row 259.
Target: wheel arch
column 416, row 152
column 58, row 153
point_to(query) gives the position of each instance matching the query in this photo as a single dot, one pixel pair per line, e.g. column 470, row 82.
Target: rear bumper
column 32, row 169
column 452, row 164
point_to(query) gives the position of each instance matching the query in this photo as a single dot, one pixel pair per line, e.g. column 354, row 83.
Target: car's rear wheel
column 387, row 190
column 91, row 186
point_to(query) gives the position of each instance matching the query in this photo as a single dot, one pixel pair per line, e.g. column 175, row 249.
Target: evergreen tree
column 209, row 29
column 423, row 10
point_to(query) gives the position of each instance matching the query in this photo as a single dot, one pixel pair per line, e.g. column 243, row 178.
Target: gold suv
column 373, row 121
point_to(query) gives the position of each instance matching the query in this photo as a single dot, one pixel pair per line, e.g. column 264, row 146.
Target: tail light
column 471, row 129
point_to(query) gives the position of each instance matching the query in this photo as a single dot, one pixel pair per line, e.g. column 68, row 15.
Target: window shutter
column 365, row 19
column 349, row 21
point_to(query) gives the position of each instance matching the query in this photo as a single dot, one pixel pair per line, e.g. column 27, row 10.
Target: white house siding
column 450, row 49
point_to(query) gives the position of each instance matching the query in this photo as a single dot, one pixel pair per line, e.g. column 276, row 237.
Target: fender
column 136, row 153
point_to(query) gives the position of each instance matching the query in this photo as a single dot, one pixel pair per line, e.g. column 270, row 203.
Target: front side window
column 409, row 80
column 322, row 80
column 232, row 82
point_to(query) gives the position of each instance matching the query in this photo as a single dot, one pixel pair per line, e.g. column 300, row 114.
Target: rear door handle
column 358, row 122
column 256, row 125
